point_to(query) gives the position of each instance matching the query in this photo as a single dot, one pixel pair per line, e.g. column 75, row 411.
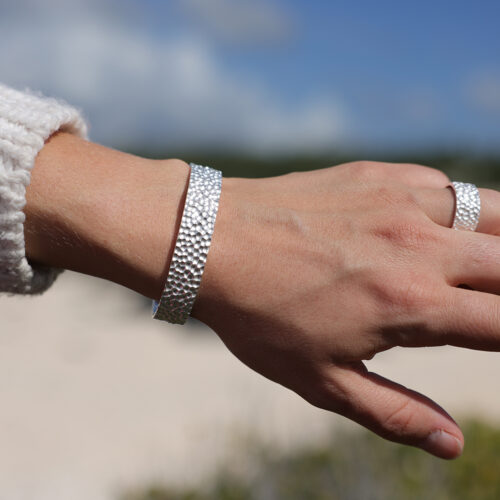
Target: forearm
column 105, row 213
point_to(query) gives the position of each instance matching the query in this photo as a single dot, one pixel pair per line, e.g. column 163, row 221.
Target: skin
column 308, row 275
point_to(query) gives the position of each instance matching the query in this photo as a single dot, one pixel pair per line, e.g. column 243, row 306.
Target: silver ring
column 467, row 206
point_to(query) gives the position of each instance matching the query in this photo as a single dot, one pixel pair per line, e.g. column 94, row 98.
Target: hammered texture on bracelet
column 192, row 245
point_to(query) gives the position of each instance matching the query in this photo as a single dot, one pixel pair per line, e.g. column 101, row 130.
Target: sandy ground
column 96, row 397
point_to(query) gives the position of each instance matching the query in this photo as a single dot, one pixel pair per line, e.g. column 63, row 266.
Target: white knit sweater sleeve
column 26, row 122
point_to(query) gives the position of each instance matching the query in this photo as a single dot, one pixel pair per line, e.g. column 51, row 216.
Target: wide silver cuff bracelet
column 191, row 248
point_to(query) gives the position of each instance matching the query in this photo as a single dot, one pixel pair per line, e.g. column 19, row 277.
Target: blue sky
column 265, row 75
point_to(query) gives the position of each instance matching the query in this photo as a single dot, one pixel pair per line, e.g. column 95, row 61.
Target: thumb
column 393, row 411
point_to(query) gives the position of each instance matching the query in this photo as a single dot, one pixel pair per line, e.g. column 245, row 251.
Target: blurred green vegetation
column 356, row 466
column 466, row 167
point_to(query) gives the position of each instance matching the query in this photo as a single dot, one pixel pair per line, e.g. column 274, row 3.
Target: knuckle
column 367, row 170
column 412, row 294
column 398, row 421
column 409, row 293
column 404, row 304
column 428, row 174
column 322, row 397
column 327, row 394
column 407, row 233
column 438, row 176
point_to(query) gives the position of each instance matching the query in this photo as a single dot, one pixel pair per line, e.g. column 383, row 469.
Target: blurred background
column 97, row 401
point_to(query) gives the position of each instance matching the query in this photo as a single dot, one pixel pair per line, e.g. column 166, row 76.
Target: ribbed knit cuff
column 26, row 122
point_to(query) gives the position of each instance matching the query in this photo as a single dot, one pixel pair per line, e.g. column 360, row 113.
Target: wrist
column 105, row 213
column 226, row 260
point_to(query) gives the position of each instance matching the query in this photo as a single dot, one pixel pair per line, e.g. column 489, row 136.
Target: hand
column 309, row 274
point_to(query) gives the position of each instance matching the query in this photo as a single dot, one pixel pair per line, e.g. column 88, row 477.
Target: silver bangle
column 191, row 248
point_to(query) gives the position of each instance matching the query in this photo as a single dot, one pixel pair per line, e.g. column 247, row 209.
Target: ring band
column 467, row 206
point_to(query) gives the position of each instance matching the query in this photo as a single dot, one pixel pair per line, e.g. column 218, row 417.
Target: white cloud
column 137, row 89
column 242, row 21
column 483, row 91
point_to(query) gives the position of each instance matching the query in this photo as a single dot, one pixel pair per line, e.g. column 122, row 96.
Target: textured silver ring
column 191, row 247
column 467, row 206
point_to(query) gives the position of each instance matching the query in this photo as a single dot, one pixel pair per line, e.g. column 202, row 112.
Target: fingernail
column 443, row 444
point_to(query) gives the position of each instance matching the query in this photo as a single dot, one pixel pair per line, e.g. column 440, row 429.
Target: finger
column 460, row 317
column 439, row 205
column 489, row 218
column 393, row 411
column 473, row 260
column 468, row 318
